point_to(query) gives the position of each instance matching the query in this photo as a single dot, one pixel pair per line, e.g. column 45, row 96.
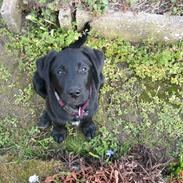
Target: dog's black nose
column 74, row 92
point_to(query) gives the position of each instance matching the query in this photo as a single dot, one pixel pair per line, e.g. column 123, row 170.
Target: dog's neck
column 76, row 113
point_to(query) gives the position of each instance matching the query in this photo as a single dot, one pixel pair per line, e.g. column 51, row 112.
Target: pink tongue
column 61, row 103
column 80, row 112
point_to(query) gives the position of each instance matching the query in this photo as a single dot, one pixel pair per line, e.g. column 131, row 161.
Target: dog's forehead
column 71, row 56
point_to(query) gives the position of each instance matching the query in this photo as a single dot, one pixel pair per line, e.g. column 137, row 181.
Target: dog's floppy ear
column 43, row 64
column 96, row 57
column 41, row 76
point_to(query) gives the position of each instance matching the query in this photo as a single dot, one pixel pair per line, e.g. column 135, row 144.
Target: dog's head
column 71, row 73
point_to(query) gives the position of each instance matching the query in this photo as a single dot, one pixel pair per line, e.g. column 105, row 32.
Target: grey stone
column 64, row 17
column 135, row 27
column 11, row 13
column 82, row 17
column 138, row 27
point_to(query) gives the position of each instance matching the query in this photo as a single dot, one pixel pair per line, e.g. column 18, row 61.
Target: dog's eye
column 60, row 71
column 84, row 69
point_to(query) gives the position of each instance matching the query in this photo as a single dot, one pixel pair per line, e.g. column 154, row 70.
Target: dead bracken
column 141, row 165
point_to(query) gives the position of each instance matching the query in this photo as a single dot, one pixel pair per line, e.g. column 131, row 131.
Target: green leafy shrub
column 102, row 143
column 139, row 97
column 176, row 168
column 37, row 44
column 97, row 6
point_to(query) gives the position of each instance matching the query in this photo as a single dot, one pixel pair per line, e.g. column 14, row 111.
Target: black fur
column 75, row 73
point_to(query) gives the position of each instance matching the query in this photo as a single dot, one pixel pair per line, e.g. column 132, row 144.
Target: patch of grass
column 102, row 143
column 176, row 169
column 7, row 127
column 24, row 96
column 21, row 171
column 4, row 73
column 75, row 142
column 24, row 143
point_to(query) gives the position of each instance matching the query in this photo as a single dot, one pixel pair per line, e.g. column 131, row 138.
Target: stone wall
column 135, row 27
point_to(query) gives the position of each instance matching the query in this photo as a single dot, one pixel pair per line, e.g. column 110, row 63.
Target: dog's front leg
column 59, row 133
column 88, row 128
column 44, row 121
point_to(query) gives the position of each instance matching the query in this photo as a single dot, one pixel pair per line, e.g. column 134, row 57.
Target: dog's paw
column 59, row 136
column 89, row 130
column 44, row 121
column 43, row 124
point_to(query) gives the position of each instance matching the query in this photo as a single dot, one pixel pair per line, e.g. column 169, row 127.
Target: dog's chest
column 75, row 123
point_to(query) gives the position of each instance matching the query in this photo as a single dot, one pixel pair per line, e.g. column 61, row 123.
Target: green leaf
column 94, row 155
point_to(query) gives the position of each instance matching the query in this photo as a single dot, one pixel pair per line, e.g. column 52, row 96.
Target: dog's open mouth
column 78, row 111
column 74, row 102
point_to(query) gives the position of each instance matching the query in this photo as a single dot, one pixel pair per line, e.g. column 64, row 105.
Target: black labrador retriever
column 69, row 81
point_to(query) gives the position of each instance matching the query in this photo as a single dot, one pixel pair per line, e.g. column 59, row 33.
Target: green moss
column 24, row 96
column 7, row 126
column 4, row 74
column 21, row 171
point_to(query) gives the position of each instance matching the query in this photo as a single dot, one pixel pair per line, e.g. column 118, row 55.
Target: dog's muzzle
column 79, row 113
